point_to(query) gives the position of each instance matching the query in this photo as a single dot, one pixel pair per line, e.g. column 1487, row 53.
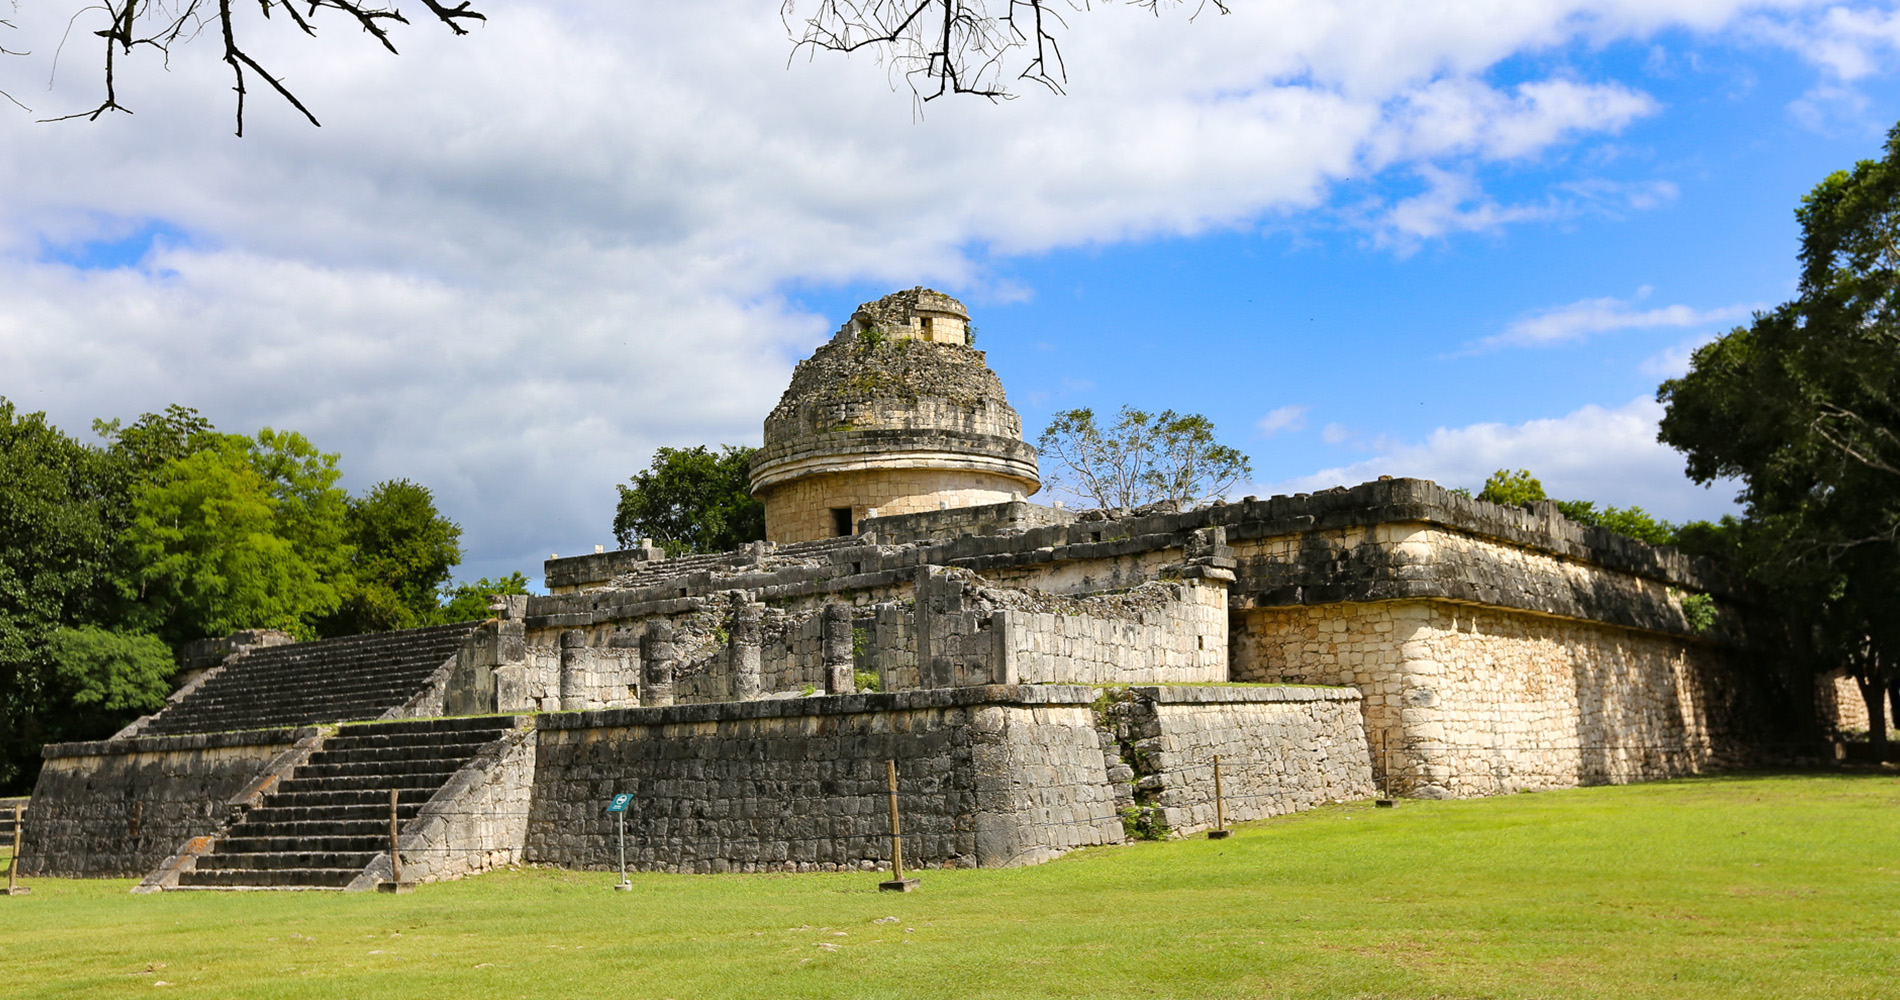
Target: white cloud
column 1580, row 320
column 510, row 265
column 1610, row 456
column 1335, row 433
column 1291, row 417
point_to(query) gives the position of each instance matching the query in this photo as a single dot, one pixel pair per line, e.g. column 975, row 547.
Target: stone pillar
column 574, row 657
column 658, row 660
column 511, row 668
column 835, row 649
column 626, row 644
column 742, row 647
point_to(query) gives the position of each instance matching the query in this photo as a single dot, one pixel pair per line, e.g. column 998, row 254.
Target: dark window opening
column 841, row 521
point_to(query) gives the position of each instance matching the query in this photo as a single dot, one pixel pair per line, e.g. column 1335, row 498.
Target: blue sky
column 1365, row 237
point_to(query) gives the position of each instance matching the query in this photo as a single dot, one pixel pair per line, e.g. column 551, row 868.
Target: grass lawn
column 1757, row 886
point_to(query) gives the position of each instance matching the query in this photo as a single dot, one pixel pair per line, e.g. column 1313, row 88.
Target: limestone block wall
column 987, row 776
column 1841, row 706
column 1281, row 750
column 116, row 808
column 800, row 510
column 1463, row 700
column 1169, row 633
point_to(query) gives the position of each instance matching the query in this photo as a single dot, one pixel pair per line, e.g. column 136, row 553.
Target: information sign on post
column 619, row 808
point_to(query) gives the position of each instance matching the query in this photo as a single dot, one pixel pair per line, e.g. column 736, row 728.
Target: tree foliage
column 1142, row 458
column 1803, row 406
column 112, row 555
column 402, row 551
column 692, row 500
column 1516, row 487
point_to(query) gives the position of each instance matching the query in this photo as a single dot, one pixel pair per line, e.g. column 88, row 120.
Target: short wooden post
column 13, row 863
column 395, row 883
column 897, row 883
column 1385, row 800
column 1220, row 831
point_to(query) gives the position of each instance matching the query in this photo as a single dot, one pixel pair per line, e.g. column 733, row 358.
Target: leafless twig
column 943, row 47
column 161, row 24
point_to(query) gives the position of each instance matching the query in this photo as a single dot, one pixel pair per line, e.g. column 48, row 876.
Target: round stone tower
column 897, row 414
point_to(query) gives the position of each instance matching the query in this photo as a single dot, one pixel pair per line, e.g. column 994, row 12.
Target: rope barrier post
column 897, row 883
column 13, row 863
column 1220, row 831
column 1385, row 801
column 395, row 883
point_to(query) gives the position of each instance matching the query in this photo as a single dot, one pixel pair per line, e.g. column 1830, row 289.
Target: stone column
column 658, row 660
column 574, row 657
column 835, row 649
column 742, row 647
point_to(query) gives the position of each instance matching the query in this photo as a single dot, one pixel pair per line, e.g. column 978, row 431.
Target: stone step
column 351, row 798
column 300, row 859
column 430, row 779
column 397, row 752
column 285, row 878
column 271, row 814
column 419, row 764
column 318, row 843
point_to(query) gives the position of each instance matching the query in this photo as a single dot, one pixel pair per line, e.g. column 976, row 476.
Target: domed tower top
column 897, row 414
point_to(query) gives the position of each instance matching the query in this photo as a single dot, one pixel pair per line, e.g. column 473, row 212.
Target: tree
column 62, row 505
column 1803, row 406
column 159, row 25
column 1144, row 458
column 467, row 602
column 402, row 552
column 247, row 534
column 692, row 500
column 943, row 47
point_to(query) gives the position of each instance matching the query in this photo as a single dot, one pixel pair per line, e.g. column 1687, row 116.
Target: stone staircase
column 327, row 824
column 307, row 683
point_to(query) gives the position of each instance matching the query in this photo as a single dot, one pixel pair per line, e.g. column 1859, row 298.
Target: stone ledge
column 180, row 742
column 833, row 704
column 1227, row 694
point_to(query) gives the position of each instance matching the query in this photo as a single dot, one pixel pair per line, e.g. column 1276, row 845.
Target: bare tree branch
column 941, row 47
column 162, row 24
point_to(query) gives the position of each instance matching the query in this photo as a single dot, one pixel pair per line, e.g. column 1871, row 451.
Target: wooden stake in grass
column 1220, row 831
column 13, row 863
column 395, row 883
column 898, row 882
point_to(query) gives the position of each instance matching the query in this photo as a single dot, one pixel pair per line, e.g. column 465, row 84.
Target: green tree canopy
column 467, row 602
column 1141, row 459
column 1803, row 406
column 402, row 552
column 692, row 500
column 248, row 533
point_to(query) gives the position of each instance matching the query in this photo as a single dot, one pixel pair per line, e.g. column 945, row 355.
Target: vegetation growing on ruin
column 1732, row 887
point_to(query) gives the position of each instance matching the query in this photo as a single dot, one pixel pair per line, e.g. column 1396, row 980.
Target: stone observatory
column 896, row 414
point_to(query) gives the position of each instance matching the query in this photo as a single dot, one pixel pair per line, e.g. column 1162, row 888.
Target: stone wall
column 1842, row 708
column 800, row 510
column 1463, row 700
column 987, row 776
column 116, row 808
column 1281, row 750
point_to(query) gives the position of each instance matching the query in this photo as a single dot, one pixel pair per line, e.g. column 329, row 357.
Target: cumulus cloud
column 1291, row 417
column 1578, row 321
column 510, row 265
column 1594, row 453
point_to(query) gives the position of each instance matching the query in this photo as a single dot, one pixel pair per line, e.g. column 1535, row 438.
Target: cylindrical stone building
column 897, row 414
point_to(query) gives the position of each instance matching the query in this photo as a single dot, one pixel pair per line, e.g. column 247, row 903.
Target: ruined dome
column 896, row 413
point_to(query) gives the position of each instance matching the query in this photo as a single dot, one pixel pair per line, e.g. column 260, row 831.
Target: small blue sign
column 619, row 804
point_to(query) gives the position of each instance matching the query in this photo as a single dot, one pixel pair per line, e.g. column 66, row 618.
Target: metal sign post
column 619, row 807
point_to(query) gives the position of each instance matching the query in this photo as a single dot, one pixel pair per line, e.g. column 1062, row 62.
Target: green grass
column 1771, row 886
